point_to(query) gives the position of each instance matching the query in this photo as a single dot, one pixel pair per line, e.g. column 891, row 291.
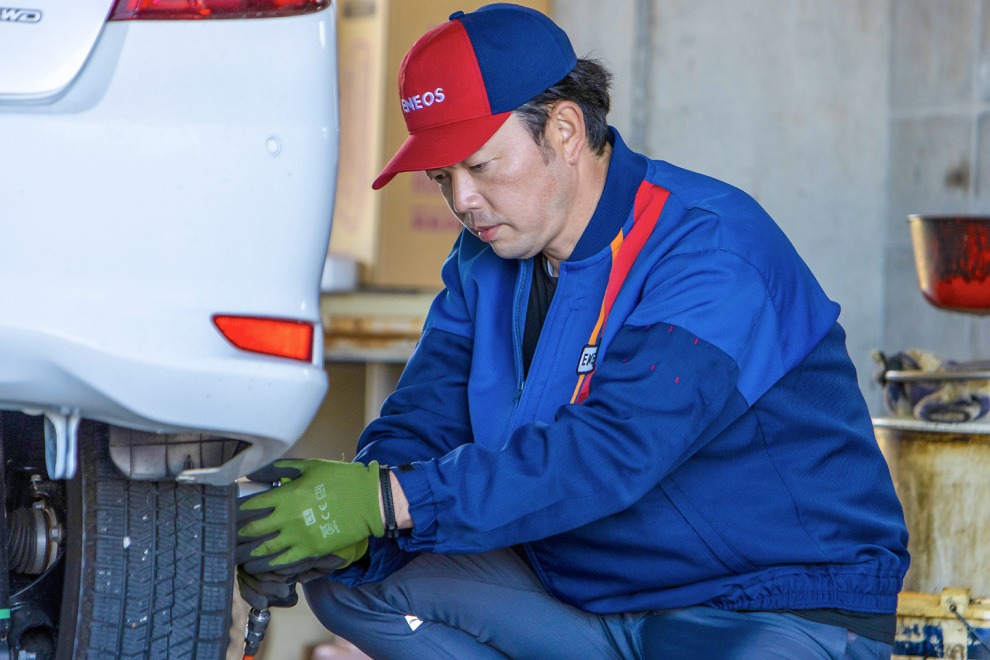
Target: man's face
column 507, row 195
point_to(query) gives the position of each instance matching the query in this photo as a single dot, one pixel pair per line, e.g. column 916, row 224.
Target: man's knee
column 341, row 609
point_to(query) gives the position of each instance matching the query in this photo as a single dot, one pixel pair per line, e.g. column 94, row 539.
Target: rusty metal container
column 952, row 256
column 942, row 476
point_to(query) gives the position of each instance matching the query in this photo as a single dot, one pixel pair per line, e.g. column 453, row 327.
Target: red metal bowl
column 952, row 255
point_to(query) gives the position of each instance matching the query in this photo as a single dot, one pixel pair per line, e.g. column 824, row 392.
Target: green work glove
column 301, row 571
column 311, row 569
column 322, row 508
column 267, row 590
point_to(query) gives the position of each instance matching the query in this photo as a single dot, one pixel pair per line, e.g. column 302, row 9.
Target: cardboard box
column 400, row 235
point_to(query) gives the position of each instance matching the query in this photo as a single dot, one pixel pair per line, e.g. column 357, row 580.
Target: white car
column 167, row 175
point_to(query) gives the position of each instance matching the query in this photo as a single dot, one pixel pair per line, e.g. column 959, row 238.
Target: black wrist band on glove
column 391, row 528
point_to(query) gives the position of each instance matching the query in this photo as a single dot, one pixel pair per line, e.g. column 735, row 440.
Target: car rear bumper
column 188, row 171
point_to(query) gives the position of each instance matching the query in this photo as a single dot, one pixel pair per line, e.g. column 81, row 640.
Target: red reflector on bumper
column 289, row 339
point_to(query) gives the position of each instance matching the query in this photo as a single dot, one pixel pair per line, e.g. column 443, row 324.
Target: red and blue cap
column 461, row 81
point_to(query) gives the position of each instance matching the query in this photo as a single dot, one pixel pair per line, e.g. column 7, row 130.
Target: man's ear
column 567, row 121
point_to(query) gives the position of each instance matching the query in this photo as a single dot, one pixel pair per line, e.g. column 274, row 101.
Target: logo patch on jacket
column 588, row 357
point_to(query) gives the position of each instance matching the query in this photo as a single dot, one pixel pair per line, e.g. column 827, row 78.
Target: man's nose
column 464, row 196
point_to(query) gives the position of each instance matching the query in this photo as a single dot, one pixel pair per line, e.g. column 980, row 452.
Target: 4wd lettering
column 17, row 15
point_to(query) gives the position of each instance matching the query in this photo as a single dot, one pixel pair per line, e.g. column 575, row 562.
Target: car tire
column 149, row 565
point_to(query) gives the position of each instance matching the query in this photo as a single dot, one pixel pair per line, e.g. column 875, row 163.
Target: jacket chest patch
column 588, row 357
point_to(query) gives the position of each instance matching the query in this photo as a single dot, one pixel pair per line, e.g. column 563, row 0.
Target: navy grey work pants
column 492, row 607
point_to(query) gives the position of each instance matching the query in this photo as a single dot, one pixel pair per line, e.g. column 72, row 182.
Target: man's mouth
column 486, row 234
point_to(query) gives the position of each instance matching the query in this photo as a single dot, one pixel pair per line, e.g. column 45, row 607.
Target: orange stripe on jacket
column 616, row 246
column 649, row 203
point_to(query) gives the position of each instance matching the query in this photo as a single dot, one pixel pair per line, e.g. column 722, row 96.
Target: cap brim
column 441, row 146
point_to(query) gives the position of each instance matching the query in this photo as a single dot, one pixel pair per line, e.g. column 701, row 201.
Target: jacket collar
column 626, row 170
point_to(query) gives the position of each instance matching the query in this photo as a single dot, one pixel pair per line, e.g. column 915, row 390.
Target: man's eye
column 439, row 177
column 480, row 167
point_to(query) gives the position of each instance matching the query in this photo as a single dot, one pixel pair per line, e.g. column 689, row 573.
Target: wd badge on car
column 17, row 15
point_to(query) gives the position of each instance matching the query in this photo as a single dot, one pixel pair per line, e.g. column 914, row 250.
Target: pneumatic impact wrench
column 258, row 620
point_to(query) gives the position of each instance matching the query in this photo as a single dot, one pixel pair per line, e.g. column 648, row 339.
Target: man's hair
column 586, row 85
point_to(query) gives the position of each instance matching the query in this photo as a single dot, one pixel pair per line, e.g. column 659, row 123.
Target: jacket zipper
column 517, row 339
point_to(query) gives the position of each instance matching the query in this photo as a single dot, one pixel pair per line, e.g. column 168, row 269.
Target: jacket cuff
column 416, row 487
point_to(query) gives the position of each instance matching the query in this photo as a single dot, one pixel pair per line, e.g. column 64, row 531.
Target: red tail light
column 163, row 10
column 289, row 339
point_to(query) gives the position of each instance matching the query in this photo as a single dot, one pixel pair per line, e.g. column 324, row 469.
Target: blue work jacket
column 690, row 431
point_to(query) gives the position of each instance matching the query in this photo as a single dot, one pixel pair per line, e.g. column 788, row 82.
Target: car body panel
column 188, row 170
column 45, row 43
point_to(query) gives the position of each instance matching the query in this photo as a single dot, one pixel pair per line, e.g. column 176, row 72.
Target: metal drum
column 942, row 476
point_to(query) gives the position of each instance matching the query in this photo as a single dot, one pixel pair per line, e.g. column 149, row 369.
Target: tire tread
column 157, row 563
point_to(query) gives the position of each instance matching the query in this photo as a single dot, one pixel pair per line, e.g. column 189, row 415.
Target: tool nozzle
column 254, row 632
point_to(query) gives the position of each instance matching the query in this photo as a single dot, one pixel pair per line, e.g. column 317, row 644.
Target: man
column 630, row 428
